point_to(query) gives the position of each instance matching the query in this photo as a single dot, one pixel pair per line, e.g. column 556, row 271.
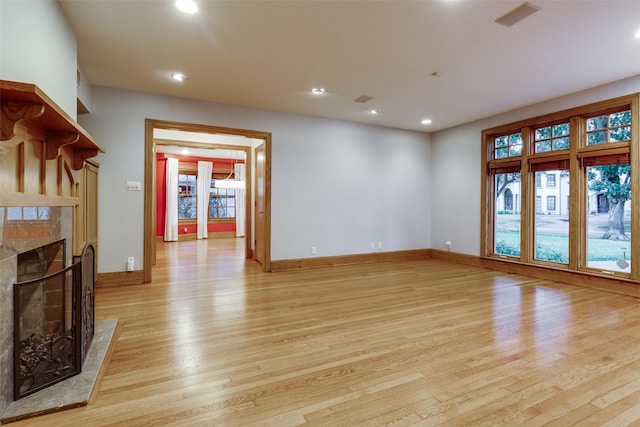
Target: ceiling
column 212, row 153
column 270, row 54
column 194, row 144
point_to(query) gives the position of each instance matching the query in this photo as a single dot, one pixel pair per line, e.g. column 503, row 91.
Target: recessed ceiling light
column 375, row 111
column 426, row 122
column 179, row 77
column 187, row 6
column 637, row 35
column 317, row 91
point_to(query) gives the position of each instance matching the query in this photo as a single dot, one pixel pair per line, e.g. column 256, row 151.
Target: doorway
column 149, row 250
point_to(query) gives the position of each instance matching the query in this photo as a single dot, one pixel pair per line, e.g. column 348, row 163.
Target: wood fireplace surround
column 48, row 193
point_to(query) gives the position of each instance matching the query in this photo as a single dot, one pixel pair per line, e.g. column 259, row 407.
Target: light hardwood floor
column 214, row 341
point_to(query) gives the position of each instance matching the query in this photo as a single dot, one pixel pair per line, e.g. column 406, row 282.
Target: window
column 187, row 201
column 222, row 203
column 552, row 138
column 507, row 218
column 508, row 146
column 608, row 240
column 606, row 128
column 551, row 203
column 586, row 155
column 551, row 225
column 28, row 213
column 551, row 180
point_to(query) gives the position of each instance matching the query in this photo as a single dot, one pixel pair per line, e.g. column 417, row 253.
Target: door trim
column 150, row 186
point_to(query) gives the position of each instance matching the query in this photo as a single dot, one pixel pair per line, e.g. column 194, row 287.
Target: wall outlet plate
column 134, row 186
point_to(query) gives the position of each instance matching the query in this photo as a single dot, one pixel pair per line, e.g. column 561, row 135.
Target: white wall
column 38, row 46
column 84, row 91
column 335, row 185
column 456, row 168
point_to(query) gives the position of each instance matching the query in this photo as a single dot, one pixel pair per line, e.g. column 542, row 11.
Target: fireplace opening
column 53, row 325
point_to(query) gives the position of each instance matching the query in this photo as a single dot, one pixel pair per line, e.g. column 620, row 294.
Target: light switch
column 134, row 186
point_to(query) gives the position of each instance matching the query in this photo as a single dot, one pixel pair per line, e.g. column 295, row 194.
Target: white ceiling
column 194, row 143
column 213, row 153
column 269, row 54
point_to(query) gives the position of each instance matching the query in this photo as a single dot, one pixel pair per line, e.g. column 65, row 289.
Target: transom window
column 28, row 213
column 552, row 138
column 615, row 127
column 508, row 146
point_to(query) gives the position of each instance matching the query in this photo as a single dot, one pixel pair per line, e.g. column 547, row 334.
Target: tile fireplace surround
column 20, row 233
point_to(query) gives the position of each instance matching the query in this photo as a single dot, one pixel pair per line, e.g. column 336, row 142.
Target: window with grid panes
column 551, row 180
column 585, row 153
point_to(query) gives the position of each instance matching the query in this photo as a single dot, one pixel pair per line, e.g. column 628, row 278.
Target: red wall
column 161, row 191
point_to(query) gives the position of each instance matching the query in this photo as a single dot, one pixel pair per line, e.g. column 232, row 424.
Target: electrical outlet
column 314, row 250
column 134, row 186
column 130, row 262
column 379, row 245
column 373, row 245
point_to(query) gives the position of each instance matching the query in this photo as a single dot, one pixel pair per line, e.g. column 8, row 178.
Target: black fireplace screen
column 53, row 326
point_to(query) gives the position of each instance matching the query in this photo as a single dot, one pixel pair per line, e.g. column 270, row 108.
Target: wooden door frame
column 260, row 148
column 150, row 186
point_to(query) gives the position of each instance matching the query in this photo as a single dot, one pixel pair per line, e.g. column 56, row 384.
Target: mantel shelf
column 25, row 103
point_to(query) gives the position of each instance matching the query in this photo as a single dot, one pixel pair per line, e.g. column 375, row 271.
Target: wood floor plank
column 215, row 341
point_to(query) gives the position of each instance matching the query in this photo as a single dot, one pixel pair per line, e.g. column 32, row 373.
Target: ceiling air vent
column 518, row 14
column 363, row 98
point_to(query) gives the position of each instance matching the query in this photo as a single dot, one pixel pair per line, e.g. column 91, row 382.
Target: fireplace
column 48, row 199
column 22, row 231
column 53, row 316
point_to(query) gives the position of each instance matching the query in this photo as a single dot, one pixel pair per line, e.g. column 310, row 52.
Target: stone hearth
column 73, row 392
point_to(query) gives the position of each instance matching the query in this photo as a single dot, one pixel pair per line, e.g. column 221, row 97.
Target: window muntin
column 551, row 138
column 614, row 127
column 506, row 146
column 507, row 214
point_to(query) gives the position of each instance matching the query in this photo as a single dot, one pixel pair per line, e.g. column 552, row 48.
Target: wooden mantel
column 26, row 104
column 44, row 153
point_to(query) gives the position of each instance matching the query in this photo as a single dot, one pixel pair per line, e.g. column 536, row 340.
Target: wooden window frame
column 572, row 159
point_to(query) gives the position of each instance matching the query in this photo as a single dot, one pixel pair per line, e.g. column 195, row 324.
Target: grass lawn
column 553, row 247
